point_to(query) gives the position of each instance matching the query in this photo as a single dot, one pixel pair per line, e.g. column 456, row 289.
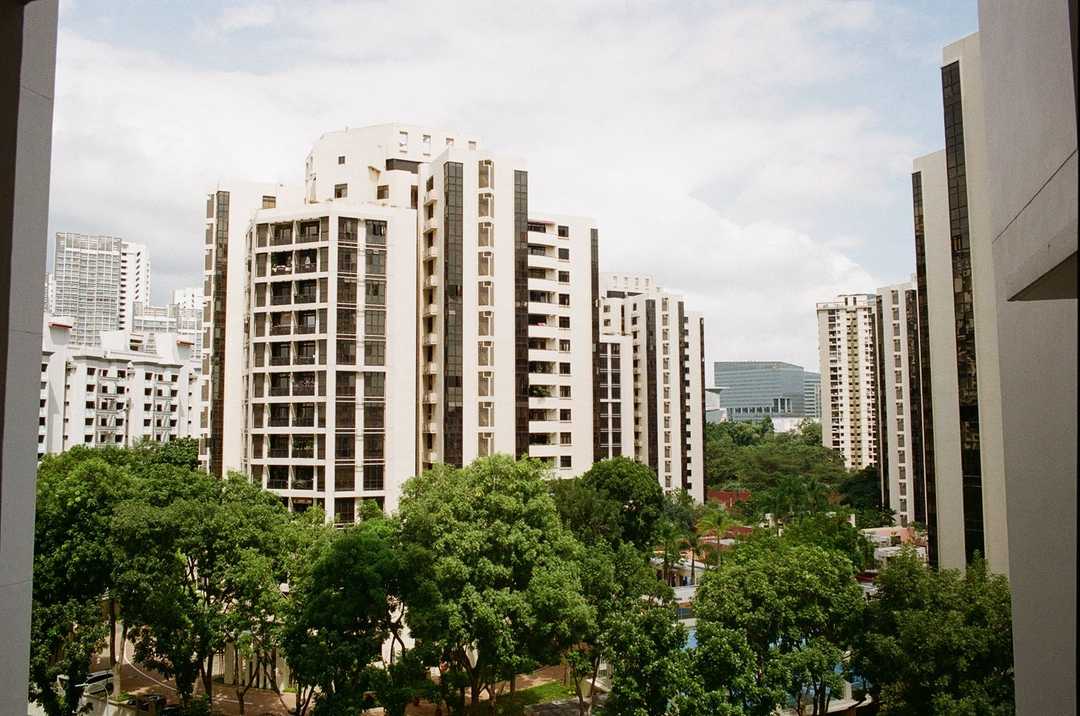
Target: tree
column 586, row 511
column 713, row 521
column 492, row 575
column 182, row 540
column 938, row 642
column 340, row 615
column 773, row 623
column 635, row 489
column 832, row 532
column 73, row 560
column 650, row 665
column 618, row 579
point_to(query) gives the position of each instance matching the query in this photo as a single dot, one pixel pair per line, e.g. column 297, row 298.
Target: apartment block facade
column 812, row 395
column 667, row 366
column 406, row 308
column 847, row 351
column 134, row 281
column 329, row 357
column 117, row 393
column 900, row 417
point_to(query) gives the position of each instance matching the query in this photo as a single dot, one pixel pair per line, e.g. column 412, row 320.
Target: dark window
column 341, row 191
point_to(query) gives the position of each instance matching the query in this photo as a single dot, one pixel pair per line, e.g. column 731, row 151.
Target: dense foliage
column 938, row 642
column 491, row 571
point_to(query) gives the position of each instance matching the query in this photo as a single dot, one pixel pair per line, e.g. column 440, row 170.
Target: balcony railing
column 278, row 452
column 279, row 422
column 305, row 358
column 305, row 297
column 279, row 269
column 281, row 238
column 277, row 483
column 306, row 328
column 280, row 329
column 304, row 421
column 303, row 451
column 278, row 299
column 303, row 483
column 307, row 266
column 279, row 390
column 303, row 388
column 279, row 359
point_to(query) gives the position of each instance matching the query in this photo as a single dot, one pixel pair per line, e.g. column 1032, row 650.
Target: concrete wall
column 27, row 80
column 1031, row 138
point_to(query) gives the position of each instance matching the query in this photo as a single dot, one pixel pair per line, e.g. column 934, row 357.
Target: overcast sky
column 754, row 156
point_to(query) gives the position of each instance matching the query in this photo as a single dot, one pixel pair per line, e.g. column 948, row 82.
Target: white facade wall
column 116, row 393
column 188, row 298
column 1030, row 104
column 846, row 351
column 487, row 319
column 358, row 160
column 667, row 415
column 563, row 439
column 331, row 369
column 134, row 281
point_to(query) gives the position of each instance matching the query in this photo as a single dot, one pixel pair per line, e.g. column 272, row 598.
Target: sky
column 754, row 156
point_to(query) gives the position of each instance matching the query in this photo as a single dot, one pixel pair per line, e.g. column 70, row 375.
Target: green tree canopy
column 938, row 642
column 185, row 540
column 341, row 612
column 773, row 624
column 74, row 558
column 493, row 580
column 634, row 488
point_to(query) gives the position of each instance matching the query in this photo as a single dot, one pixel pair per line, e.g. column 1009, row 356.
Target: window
column 374, row 353
column 374, row 385
column 341, row 191
column 564, row 277
column 564, row 321
column 564, row 415
column 565, row 461
column 374, row 323
column 382, row 192
column 403, row 140
column 564, row 232
column 425, row 143
column 341, row 159
column 565, row 438
column 375, row 261
column 375, row 293
column 564, row 254
column 373, row 477
column 269, row 202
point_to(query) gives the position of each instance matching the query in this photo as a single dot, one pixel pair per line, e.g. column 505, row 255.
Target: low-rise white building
column 117, row 393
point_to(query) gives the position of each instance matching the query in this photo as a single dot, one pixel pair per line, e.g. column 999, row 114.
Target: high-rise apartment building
column 330, row 362
column 134, row 281
column 1030, row 89
column 407, row 308
column 996, row 246
column 97, row 281
column 847, row 350
column 175, row 318
column 117, row 393
column 901, row 455
column 957, row 309
column 87, row 275
column 229, row 209
column 752, row 390
column 667, row 364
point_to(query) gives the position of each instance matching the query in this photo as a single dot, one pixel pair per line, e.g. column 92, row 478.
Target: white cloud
column 697, row 136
